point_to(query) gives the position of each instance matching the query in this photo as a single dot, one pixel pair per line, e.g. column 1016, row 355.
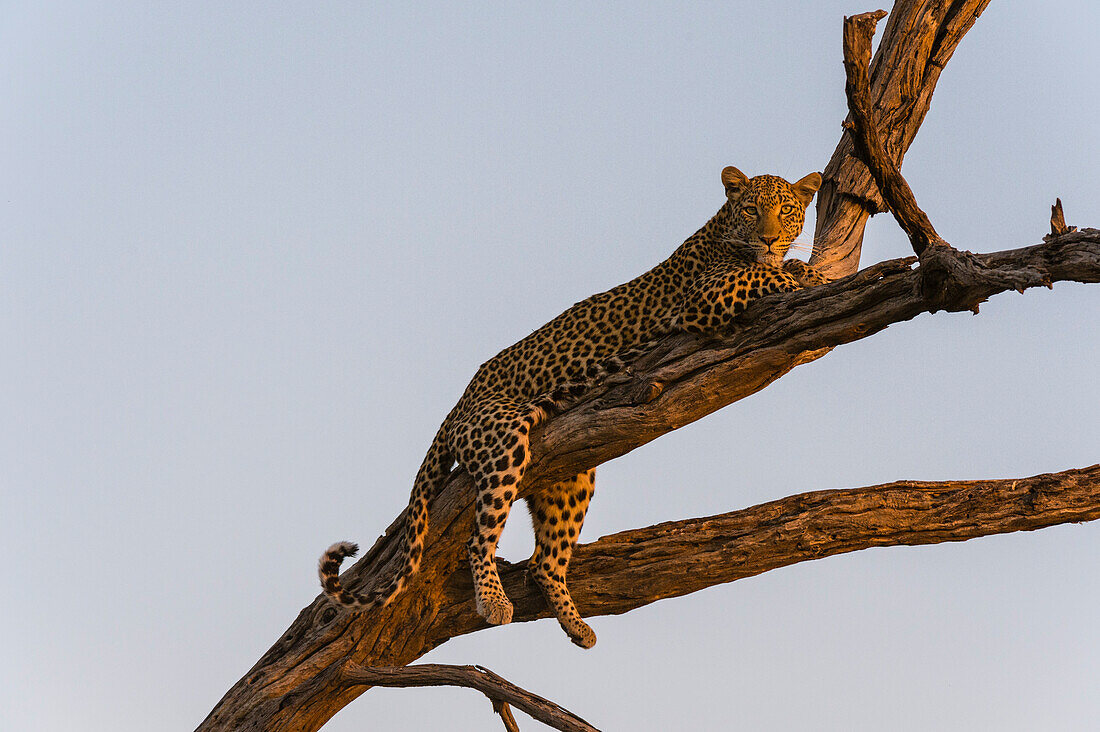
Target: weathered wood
column 858, row 31
column 500, row 691
column 919, row 39
column 1058, row 220
column 505, row 713
column 677, row 558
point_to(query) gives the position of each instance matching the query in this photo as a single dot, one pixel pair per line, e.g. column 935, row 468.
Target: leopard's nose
column 769, row 240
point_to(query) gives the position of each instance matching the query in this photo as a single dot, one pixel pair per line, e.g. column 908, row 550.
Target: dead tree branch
column 633, row 568
column 500, row 691
column 919, row 39
column 505, row 713
column 858, row 31
column 1058, row 220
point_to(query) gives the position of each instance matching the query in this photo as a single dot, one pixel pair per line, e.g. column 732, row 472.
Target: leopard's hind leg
column 492, row 445
column 558, row 514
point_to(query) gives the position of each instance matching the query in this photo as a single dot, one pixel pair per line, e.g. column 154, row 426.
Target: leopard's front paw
column 806, row 275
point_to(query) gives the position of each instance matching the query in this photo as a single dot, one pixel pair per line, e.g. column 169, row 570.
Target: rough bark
column 309, row 674
column 680, row 557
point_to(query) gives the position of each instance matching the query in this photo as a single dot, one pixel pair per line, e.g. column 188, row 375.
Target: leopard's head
column 766, row 213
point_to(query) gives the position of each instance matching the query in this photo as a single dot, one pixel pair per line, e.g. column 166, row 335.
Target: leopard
column 736, row 258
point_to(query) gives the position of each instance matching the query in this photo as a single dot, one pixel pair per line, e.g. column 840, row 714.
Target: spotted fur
column 734, row 259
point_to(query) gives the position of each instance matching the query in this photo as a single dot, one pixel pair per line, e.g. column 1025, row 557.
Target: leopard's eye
column 787, row 208
column 749, row 210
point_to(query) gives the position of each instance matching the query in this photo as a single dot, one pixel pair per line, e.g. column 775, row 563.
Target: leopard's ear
column 735, row 182
column 807, row 187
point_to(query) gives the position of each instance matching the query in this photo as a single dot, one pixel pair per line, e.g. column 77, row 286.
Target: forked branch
column 500, row 691
column 919, row 39
column 858, row 32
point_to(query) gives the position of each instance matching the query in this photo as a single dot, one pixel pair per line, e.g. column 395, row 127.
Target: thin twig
column 505, row 713
column 858, row 32
column 500, row 691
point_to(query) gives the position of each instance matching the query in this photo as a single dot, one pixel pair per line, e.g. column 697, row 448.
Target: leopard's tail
column 429, row 479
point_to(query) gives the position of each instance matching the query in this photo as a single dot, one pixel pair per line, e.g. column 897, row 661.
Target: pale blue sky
column 250, row 256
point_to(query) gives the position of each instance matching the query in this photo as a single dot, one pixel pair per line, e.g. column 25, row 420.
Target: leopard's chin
column 771, row 258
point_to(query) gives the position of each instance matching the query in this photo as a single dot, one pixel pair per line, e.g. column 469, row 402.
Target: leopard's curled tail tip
column 343, row 549
column 328, row 566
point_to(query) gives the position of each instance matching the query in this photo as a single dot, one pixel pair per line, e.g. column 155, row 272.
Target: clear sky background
column 250, row 254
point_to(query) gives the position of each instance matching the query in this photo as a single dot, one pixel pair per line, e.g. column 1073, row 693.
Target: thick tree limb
column 633, row 568
column 919, row 39
column 500, row 691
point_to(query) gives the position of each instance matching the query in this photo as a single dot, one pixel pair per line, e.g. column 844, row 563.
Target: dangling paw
column 497, row 610
column 580, row 633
